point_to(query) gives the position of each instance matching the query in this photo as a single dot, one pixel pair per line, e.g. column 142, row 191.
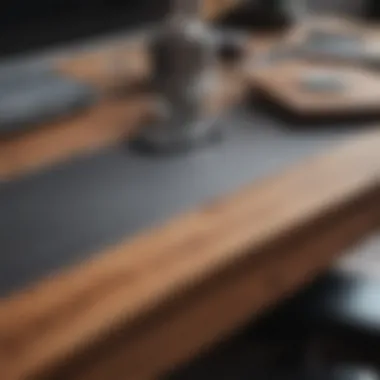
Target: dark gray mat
column 31, row 96
column 56, row 218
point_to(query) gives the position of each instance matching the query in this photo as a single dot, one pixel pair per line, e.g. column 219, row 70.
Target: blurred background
column 26, row 25
column 66, row 163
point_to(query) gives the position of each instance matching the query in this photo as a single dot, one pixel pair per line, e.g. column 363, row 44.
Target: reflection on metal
column 297, row 10
column 183, row 53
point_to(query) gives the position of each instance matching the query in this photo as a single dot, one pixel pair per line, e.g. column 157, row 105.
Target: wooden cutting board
column 281, row 83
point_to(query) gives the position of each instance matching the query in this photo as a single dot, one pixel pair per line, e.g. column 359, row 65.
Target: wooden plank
column 108, row 68
column 224, row 305
column 186, row 284
column 99, row 127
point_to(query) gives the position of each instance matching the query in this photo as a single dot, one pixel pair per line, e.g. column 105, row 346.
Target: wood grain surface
column 150, row 303
column 104, row 125
column 108, row 68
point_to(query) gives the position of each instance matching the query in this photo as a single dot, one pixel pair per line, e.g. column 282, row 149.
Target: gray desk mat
column 58, row 217
column 31, row 92
column 31, row 96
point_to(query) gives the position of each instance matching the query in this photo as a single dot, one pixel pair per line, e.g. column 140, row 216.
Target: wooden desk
column 181, row 284
column 197, row 277
column 107, row 67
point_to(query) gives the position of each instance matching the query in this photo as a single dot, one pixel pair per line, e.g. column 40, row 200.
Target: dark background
column 27, row 25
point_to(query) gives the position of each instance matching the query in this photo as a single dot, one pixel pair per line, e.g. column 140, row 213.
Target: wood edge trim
column 216, row 309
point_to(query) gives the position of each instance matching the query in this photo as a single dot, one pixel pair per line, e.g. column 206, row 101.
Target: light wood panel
column 123, row 64
column 171, row 291
column 99, row 127
column 220, row 308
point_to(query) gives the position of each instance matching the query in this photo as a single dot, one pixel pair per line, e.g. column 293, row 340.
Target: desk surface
column 109, row 205
column 89, row 211
column 59, row 216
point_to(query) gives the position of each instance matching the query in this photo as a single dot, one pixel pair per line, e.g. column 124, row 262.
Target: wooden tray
column 280, row 83
column 369, row 35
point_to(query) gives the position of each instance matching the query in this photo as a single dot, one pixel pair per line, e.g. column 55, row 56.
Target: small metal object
column 183, row 52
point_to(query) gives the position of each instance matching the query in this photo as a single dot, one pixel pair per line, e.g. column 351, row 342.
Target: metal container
column 183, row 53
